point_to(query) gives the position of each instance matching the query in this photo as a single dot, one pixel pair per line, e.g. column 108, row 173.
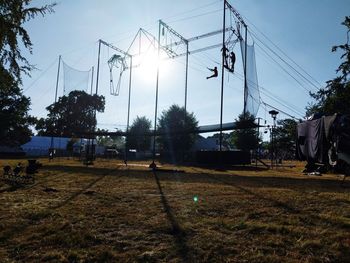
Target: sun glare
column 149, row 62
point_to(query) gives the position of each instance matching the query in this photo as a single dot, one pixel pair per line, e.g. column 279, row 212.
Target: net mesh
column 74, row 79
column 252, row 94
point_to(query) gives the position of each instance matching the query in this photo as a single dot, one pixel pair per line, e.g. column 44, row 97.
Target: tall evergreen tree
column 138, row 139
column 176, row 125
column 246, row 137
column 285, row 138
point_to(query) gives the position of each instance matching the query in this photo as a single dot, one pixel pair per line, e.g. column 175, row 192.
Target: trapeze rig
column 171, row 49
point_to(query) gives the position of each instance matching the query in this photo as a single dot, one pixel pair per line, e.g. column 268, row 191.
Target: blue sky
column 304, row 30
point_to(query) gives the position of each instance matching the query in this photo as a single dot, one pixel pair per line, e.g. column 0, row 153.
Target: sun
column 149, row 62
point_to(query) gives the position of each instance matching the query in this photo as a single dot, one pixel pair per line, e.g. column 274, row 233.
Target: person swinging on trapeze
column 215, row 74
column 226, row 64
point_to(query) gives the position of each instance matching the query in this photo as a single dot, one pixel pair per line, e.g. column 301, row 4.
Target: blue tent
column 40, row 145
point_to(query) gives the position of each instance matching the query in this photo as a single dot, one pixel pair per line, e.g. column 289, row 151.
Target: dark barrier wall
column 224, row 157
column 10, row 155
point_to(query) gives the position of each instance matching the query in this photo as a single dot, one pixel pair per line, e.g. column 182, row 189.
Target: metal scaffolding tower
column 169, row 41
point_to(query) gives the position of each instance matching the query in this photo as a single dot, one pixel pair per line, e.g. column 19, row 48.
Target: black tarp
column 314, row 139
column 310, row 140
column 325, row 141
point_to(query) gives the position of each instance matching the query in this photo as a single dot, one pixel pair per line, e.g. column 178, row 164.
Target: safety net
column 74, row 79
column 252, row 94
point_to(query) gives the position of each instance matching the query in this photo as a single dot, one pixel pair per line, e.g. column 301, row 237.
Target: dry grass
column 113, row 213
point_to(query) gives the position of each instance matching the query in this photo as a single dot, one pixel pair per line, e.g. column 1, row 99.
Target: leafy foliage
column 335, row 97
column 12, row 16
column 71, row 114
column 245, row 138
column 137, row 139
column 14, row 118
column 175, row 123
column 285, row 138
column 14, row 106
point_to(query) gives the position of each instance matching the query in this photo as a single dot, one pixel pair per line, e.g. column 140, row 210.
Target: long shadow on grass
column 76, row 194
column 224, row 168
column 79, row 169
column 301, row 184
column 303, row 216
column 178, row 233
column 43, row 179
column 45, row 213
column 275, row 203
column 323, row 185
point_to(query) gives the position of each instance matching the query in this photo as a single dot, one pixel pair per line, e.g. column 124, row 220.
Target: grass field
column 112, row 213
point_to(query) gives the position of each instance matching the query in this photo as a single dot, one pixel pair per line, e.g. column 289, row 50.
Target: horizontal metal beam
column 213, row 33
column 173, row 31
column 115, row 48
column 235, row 12
column 210, row 34
column 205, row 48
column 190, row 52
column 201, row 129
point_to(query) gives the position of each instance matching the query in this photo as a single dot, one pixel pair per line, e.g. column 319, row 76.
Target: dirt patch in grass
column 113, row 213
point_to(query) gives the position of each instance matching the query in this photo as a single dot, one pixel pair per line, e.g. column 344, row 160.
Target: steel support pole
column 128, row 118
column 222, row 73
column 156, row 103
column 245, row 73
column 92, row 79
column 98, row 65
column 186, row 78
column 57, row 80
column 91, row 141
column 272, row 147
column 58, row 76
column 185, row 106
column 257, row 152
